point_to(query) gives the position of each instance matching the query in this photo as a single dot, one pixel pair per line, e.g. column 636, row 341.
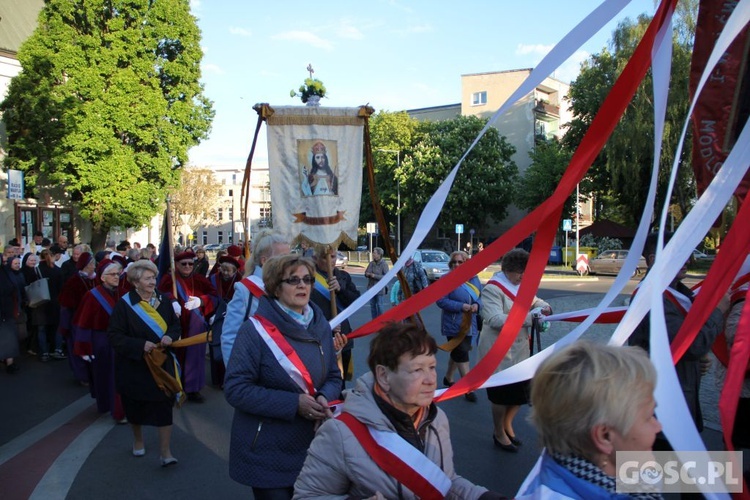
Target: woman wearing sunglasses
column 281, row 375
column 454, row 306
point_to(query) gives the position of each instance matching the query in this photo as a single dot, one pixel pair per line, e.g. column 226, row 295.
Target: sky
column 390, row 54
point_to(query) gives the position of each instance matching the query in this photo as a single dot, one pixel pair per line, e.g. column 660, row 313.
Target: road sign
column 567, row 224
column 459, row 229
column 372, row 228
column 582, row 264
column 471, row 232
column 15, row 184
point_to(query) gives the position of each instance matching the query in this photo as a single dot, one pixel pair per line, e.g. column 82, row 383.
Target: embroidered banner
column 315, row 167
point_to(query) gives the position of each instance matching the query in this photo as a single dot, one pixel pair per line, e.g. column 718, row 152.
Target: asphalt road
column 53, row 444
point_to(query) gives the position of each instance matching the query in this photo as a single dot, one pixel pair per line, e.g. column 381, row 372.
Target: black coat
column 47, row 314
column 128, row 335
column 344, row 297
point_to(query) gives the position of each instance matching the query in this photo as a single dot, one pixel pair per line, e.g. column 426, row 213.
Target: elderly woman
column 280, row 378
column 498, row 296
column 141, row 321
column 390, row 412
column 90, row 325
column 462, row 300
column 590, row 401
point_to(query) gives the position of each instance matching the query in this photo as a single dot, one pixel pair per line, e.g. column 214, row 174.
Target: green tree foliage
column 483, row 187
column 107, row 105
column 621, row 172
column 549, row 160
column 389, row 131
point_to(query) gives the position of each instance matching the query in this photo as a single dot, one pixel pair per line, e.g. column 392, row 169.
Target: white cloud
column 212, row 68
column 306, row 37
column 570, row 68
column 524, row 49
column 416, row 29
column 234, row 30
column 350, row 32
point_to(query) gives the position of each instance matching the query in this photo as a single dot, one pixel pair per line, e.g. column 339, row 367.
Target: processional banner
column 315, row 168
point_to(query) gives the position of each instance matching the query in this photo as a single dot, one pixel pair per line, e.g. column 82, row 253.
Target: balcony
column 544, row 108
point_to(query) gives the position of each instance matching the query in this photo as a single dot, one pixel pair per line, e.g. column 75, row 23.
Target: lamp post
column 398, row 198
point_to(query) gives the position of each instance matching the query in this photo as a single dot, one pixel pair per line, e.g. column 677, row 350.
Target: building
column 540, row 114
column 228, row 227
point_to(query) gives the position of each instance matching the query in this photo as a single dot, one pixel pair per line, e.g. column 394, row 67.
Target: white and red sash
column 501, row 281
column 284, row 353
column 397, row 458
column 255, row 286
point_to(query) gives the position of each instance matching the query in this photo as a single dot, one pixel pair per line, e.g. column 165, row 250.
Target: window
column 479, row 98
column 205, row 237
column 234, row 179
column 220, row 214
column 231, row 213
column 265, row 212
column 230, row 192
column 221, row 237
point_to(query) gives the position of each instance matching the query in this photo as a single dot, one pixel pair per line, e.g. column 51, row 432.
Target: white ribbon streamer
column 554, row 59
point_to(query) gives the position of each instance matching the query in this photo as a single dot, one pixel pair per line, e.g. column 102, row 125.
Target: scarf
column 587, row 471
column 303, row 319
column 416, row 418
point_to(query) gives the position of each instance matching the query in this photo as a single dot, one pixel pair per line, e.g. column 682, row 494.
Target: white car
column 434, row 262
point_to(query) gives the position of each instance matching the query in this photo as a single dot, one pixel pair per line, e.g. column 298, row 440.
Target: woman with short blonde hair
column 590, row 401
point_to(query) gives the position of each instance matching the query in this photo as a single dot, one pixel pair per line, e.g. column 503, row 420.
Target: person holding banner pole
column 391, row 440
column 280, row 380
column 334, row 290
column 498, row 296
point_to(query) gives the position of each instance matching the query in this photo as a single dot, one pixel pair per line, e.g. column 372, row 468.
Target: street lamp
column 398, row 198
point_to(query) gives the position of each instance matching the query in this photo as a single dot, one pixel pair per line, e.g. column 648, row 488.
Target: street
column 53, row 444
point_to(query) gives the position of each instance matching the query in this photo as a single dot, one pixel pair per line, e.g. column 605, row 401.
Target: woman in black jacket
column 46, row 316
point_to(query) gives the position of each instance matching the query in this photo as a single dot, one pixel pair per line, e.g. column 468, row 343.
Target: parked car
column 211, row 247
column 611, row 261
column 363, row 248
column 341, row 260
column 435, row 263
column 698, row 255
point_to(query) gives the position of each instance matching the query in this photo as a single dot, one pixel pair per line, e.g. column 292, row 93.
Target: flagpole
column 170, row 244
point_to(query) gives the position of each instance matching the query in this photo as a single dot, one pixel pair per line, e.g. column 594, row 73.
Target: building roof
column 18, row 20
column 608, row 228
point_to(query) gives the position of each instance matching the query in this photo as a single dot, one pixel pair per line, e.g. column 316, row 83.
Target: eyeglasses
column 295, row 280
column 187, row 264
column 454, row 262
column 111, row 274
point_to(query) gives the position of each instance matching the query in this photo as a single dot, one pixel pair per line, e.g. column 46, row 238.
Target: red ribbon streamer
column 730, row 394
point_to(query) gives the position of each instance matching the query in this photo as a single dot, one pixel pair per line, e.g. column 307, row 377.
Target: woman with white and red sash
column 90, row 325
column 498, row 295
column 280, row 378
column 390, row 439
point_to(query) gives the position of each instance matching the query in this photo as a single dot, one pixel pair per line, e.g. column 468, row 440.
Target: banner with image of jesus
column 315, row 168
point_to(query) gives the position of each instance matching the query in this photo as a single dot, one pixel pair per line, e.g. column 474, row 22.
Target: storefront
column 51, row 220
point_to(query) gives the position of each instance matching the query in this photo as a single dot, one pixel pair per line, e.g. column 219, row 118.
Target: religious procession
column 267, row 369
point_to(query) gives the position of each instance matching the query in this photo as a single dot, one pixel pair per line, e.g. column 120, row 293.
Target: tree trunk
column 98, row 238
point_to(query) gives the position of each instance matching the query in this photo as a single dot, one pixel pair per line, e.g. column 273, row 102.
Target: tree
column 549, row 160
column 389, row 131
column 622, row 170
column 107, row 106
column 196, row 198
column 484, row 184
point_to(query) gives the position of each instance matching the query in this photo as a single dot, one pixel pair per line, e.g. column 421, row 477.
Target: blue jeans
column 376, row 308
column 44, row 344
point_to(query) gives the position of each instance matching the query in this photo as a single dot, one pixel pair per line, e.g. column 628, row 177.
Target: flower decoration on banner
column 311, row 91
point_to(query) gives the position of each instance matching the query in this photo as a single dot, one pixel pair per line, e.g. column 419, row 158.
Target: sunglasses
column 295, row 280
column 187, row 264
column 454, row 262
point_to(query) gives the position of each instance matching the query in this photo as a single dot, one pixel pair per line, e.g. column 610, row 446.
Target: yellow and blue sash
column 472, row 289
column 148, row 315
column 321, row 285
